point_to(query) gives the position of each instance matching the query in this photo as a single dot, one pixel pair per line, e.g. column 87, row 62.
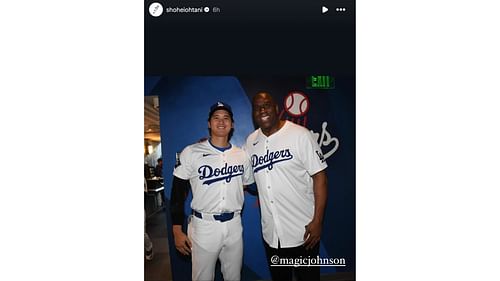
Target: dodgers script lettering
column 212, row 174
column 270, row 158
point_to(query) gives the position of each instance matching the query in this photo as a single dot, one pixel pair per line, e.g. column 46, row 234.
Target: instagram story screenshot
column 249, row 140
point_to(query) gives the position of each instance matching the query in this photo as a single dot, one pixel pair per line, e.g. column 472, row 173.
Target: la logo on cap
column 220, row 103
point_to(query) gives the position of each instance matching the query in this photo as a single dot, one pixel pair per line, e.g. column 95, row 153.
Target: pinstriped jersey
column 283, row 164
column 216, row 177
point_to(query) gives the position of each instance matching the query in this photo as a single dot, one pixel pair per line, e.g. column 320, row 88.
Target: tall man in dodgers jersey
column 217, row 172
column 289, row 169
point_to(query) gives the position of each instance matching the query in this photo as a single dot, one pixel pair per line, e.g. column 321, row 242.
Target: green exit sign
column 320, row 82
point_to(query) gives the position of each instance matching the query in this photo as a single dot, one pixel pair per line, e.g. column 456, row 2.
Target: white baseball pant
column 212, row 240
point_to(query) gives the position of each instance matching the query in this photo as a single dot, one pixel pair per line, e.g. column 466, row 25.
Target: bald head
column 263, row 95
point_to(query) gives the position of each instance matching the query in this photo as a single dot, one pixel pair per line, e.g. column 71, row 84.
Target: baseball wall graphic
column 296, row 104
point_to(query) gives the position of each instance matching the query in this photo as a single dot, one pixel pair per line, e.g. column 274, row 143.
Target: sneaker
column 149, row 255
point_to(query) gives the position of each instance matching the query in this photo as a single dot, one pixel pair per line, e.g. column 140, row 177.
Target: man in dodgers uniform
column 289, row 170
column 217, row 172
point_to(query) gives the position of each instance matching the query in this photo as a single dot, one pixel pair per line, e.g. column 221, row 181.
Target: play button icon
column 324, row 10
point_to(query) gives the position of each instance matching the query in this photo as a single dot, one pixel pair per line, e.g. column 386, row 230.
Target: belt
column 222, row 217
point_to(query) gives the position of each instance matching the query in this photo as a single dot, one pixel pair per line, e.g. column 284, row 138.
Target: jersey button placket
column 268, row 179
column 223, row 188
column 274, row 211
column 270, row 192
column 270, row 183
column 223, row 164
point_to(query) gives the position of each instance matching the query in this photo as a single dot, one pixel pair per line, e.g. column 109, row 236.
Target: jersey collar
column 278, row 132
column 221, row 149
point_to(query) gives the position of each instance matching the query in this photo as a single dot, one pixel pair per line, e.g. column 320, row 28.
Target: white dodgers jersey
column 216, row 177
column 283, row 164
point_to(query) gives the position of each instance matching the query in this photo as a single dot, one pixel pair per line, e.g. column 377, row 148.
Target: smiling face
column 265, row 113
column 220, row 123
